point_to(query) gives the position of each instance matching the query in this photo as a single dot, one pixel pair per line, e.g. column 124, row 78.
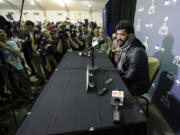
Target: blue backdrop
column 157, row 25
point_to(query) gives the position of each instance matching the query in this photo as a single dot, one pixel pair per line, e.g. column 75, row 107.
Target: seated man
column 133, row 62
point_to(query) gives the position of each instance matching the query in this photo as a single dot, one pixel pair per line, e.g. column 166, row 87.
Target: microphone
column 117, row 100
column 96, row 43
column 117, row 96
column 82, row 54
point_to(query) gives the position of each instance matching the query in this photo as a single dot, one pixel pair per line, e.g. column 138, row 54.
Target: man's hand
column 3, row 45
column 77, row 46
column 115, row 50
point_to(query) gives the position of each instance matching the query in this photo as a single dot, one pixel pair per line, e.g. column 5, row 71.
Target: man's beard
column 102, row 37
column 121, row 42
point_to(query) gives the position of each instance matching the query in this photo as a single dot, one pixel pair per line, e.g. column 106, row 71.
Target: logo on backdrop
column 146, row 43
column 170, row 2
column 149, row 25
column 138, row 27
column 159, row 48
column 151, row 8
column 176, row 61
column 140, row 9
column 163, row 30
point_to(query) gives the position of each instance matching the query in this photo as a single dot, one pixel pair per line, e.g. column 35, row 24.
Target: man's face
column 96, row 33
column 122, row 36
column 28, row 28
column 101, row 33
column 47, row 34
column 2, row 35
column 83, row 29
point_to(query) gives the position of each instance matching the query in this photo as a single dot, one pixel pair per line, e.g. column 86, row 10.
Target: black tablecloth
column 64, row 106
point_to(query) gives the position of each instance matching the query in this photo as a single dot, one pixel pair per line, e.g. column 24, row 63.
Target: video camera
column 45, row 48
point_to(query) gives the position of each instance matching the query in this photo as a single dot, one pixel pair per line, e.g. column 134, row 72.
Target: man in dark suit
column 133, row 62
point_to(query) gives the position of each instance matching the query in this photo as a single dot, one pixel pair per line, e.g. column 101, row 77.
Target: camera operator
column 72, row 38
column 58, row 46
column 47, row 51
column 65, row 39
column 30, row 52
column 49, row 48
column 85, row 37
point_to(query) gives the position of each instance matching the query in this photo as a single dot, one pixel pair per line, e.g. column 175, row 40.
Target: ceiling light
column 68, row 2
column 32, row 2
column 1, row 1
column 90, row 5
column 61, row 2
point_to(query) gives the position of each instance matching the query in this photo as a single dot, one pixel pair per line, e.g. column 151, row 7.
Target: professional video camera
column 46, row 47
column 72, row 31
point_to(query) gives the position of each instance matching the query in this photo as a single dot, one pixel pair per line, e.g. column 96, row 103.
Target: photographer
column 72, row 38
column 47, row 51
column 58, row 46
column 85, row 37
column 49, row 47
column 65, row 39
column 30, row 52
column 11, row 56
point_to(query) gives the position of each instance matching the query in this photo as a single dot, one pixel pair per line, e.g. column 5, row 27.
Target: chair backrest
column 154, row 65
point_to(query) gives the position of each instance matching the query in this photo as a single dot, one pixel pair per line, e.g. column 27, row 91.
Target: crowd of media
column 33, row 50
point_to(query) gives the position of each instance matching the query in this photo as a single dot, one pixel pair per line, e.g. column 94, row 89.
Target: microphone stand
column 93, row 66
column 91, row 70
column 116, row 117
column 21, row 11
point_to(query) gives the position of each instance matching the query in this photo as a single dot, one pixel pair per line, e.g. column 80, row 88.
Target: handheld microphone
column 116, row 116
column 96, row 44
column 117, row 96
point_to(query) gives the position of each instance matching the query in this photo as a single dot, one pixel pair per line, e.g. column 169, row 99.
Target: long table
column 64, row 106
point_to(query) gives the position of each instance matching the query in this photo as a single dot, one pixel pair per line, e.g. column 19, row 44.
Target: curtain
column 117, row 10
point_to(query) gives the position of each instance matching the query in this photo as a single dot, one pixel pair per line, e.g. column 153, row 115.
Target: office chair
column 154, row 65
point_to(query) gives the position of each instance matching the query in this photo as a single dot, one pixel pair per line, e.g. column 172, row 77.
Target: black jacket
column 133, row 66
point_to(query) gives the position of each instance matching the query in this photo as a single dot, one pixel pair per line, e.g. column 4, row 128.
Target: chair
column 154, row 65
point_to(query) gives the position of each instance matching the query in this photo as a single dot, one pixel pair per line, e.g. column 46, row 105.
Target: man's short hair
column 2, row 21
column 84, row 25
column 6, row 26
column 125, row 24
column 96, row 29
column 29, row 23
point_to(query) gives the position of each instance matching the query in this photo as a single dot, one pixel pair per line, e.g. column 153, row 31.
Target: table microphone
column 82, row 54
column 96, row 44
column 117, row 100
column 116, row 116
